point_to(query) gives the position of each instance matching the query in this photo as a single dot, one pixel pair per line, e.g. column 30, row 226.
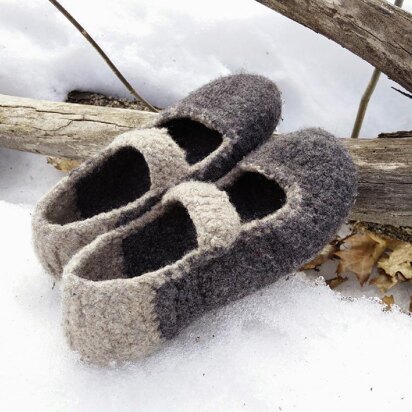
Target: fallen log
column 375, row 30
column 63, row 129
column 78, row 131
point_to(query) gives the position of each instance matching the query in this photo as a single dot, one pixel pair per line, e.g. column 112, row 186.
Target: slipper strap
column 216, row 220
column 165, row 159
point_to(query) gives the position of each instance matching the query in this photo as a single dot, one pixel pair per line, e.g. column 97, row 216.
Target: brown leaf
column 390, row 242
column 336, row 281
column 399, row 261
column 362, row 255
column 384, row 282
column 63, row 163
column 326, row 253
column 388, row 301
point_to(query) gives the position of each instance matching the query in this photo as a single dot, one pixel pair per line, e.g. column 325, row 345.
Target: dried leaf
column 362, row 255
column 388, row 301
column 384, row 282
column 63, row 163
column 399, row 261
column 336, row 281
column 389, row 242
column 326, row 253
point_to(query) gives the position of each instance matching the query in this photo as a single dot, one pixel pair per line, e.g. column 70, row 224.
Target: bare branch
column 375, row 30
column 102, row 54
column 367, row 94
column 364, row 103
column 402, row 92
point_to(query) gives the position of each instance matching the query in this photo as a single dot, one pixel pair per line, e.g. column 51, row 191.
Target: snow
column 297, row 345
column 25, row 177
column 165, row 49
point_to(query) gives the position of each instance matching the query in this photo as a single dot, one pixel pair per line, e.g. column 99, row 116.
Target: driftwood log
column 375, row 30
column 78, row 131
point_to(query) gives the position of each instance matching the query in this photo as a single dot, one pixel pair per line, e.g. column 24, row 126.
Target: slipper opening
column 255, row 196
column 122, row 178
column 161, row 242
column 197, row 140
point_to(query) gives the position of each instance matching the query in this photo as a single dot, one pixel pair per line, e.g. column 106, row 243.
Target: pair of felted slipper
column 202, row 209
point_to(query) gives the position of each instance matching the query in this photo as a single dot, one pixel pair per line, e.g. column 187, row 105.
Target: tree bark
column 375, row 30
column 78, row 131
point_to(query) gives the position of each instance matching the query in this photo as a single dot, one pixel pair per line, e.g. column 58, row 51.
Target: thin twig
column 402, row 92
column 102, row 54
column 363, row 105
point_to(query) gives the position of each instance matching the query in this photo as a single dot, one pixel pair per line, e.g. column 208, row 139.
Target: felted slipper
column 201, row 137
column 205, row 245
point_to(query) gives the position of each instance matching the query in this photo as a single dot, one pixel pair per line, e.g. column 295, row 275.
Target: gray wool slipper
column 205, row 244
column 201, row 137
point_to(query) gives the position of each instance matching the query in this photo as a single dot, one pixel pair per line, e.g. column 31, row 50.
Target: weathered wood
column 385, row 180
column 63, row 129
column 99, row 99
column 78, row 131
column 375, row 30
column 397, row 232
column 400, row 134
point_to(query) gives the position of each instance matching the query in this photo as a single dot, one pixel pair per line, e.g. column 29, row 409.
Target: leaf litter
column 374, row 259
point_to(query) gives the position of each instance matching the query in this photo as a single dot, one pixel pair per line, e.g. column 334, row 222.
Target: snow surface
column 295, row 346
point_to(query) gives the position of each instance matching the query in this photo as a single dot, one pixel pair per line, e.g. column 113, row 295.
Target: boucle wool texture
column 205, row 245
column 201, row 138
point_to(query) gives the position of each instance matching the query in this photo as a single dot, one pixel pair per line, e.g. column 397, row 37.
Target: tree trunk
column 78, row 131
column 375, row 30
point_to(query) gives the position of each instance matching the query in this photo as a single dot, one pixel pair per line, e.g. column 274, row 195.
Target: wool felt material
column 201, row 137
column 205, row 245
